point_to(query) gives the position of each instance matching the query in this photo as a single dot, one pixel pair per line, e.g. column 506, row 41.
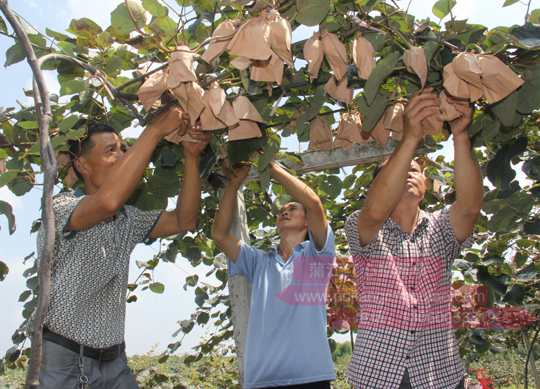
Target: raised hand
column 421, row 106
column 173, row 119
column 238, row 174
column 196, row 141
column 459, row 125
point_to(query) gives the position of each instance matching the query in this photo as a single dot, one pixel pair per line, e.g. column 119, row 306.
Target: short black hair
column 82, row 146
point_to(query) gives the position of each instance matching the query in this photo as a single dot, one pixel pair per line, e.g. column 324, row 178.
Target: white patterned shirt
column 90, row 273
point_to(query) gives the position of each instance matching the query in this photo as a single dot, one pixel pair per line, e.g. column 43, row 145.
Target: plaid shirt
column 404, row 321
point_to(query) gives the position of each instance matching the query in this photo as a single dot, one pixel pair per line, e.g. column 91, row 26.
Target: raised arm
column 387, row 188
column 124, row 175
column 184, row 217
column 221, row 229
column 302, row 193
column 468, row 179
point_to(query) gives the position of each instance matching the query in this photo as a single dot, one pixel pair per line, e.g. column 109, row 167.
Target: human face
column 415, row 185
column 291, row 216
column 107, row 149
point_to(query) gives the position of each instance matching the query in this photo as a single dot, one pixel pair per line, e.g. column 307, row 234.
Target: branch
column 528, row 9
column 43, row 111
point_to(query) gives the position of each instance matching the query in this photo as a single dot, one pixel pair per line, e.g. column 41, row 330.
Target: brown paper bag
column 453, row 84
column 363, row 55
column 152, row 89
column 227, row 115
column 181, row 67
column 335, row 53
column 415, row 61
column 393, row 118
column 209, row 121
column 468, row 69
column 280, row 37
column 448, row 110
column 221, row 37
column 269, row 71
column 251, row 40
column 246, row 129
column 380, row 133
column 498, row 79
column 349, row 131
column 340, row 92
column 190, row 95
column 313, row 54
column 215, row 97
column 320, row 135
column 240, row 63
column 244, row 110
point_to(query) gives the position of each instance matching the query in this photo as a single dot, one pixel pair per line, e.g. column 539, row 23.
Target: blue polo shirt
column 286, row 341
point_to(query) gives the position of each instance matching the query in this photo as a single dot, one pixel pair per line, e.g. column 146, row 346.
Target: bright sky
column 151, row 321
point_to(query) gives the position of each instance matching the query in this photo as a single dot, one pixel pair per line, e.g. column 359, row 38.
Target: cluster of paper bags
column 262, row 44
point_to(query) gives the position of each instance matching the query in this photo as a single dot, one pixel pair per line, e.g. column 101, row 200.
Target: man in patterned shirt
column 95, row 235
column 403, row 258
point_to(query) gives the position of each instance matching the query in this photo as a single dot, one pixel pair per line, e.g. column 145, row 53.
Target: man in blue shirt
column 286, row 343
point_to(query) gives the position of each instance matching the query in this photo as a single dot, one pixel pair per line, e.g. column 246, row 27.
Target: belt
column 101, row 354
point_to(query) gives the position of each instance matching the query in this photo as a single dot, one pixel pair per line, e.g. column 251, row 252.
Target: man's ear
column 81, row 164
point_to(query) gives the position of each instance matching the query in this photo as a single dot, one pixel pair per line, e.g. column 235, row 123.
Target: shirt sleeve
column 443, row 238
column 329, row 247
column 246, row 264
column 356, row 249
column 63, row 207
column 142, row 223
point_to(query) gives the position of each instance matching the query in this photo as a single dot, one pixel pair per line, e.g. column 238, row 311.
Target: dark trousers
column 406, row 382
column 310, row 385
column 60, row 370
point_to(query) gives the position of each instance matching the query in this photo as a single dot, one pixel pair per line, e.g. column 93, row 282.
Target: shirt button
column 415, row 306
column 412, row 287
column 413, row 332
column 407, row 357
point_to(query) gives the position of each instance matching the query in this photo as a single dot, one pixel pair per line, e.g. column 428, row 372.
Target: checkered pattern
column 404, row 322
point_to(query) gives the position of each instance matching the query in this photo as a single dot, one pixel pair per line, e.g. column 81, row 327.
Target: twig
column 43, row 111
column 527, row 13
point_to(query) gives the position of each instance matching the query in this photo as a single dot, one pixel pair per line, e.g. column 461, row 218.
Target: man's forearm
column 468, row 179
column 387, row 188
column 127, row 173
column 189, row 198
column 295, row 187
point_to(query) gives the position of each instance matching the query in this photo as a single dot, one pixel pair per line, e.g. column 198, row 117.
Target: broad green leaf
column 534, row 17
column 509, row 2
column 84, row 28
column 68, row 123
column 526, row 37
column 202, row 318
column 28, row 125
column 383, row 69
column 3, row 27
column 372, row 112
column 20, row 185
column 121, row 20
column 506, row 110
column 312, row 12
column 155, row 8
column 14, row 54
column 58, row 35
column 499, row 171
column 157, row 287
column 7, row 211
column 70, row 87
column 443, row 7
column 331, row 185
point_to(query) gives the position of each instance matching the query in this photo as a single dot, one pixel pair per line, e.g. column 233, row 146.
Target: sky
column 150, row 321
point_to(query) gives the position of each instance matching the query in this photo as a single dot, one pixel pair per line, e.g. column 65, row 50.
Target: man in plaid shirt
column 403, row 258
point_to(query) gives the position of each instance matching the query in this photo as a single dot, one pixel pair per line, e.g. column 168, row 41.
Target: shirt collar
column 421, row 225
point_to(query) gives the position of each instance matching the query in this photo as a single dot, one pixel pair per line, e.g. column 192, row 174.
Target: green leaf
column 526, row 37
column 506, row 110
column 157, row 287
column 372, row 112
column 57, row 35
column 509, row 2
column 4, row 270
column 443, row 7
column 499, row 170
column 68, row 123
column 7, row 211
column 383, row 69
column 73, row 86
column 155, row 8
column 532, row 227
column 20, row 185
column 202, row 318
column 242, row 150
column 28, row 125
column 3, row 27
column 529, row 93
column 14, row 54
column 192, row 280
column 121, row 20
column 312, row 12
column 534, row 17
column 331, row 185
column 85, row 28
